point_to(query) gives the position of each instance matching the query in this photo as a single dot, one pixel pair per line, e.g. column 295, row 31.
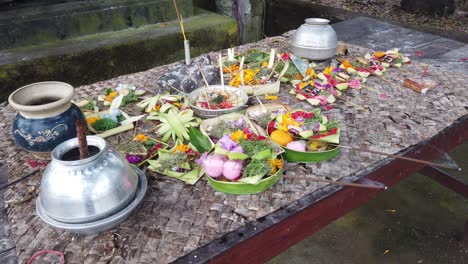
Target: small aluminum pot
column 80, row 191
column 315, row 40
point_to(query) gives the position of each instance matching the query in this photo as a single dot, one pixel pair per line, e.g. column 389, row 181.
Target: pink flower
column 285, row 56
column 355, row 84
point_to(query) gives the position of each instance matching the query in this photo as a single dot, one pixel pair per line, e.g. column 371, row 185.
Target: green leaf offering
column 201, row 142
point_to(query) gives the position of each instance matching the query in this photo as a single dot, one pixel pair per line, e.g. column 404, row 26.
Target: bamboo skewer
column 429, row 163
column 370, row 88
column 342, row 183
column 353, row 104
column 176, row 89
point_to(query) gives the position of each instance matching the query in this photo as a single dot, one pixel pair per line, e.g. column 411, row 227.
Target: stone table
column 182, row 223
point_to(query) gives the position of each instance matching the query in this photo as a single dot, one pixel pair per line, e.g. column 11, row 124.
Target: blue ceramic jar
column 46, row 116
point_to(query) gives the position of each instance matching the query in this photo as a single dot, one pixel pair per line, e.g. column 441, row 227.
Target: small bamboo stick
column 402, row 157
column 342, row 183
column 81, row 135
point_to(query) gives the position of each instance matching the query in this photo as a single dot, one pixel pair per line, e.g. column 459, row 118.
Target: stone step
column 102, row 56
column 27, row 25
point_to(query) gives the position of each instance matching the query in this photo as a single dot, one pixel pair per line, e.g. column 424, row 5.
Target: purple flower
column 237, row 123
column 328, row 86
column 201, row 160
column 316, row 127
column 227, row 143
column 299, row 119
column 337, row 70
column 240, row 122
column 133, row 159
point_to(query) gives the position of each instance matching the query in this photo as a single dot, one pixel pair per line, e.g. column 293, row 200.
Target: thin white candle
column 272, row 59
column 221, row 71
column 241, row 71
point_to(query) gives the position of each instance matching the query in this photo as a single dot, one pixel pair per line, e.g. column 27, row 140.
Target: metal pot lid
column 102, row 225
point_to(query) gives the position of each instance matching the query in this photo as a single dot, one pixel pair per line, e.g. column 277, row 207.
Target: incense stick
column 207, row 86
column 342, row 183
column 179, row 17
column 402, row 157
column 260, row 102
column 20, row 179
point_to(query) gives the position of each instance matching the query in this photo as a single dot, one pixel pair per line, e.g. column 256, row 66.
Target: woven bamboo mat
column 175, row 219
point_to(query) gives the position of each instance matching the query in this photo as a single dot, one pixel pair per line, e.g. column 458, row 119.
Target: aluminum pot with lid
column 315, row 40
column 80, row 191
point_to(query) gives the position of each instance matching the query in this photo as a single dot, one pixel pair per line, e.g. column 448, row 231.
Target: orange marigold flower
column 265, row 64
column 157, row 107
column 109, row 98
column 92, row 119
column 310, row 71
column 141, row 138
column 181, row 148
column 380, row 54
column 346, row 64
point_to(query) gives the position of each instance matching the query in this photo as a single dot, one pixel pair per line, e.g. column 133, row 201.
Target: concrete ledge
column 103, row 56
column 40, row 24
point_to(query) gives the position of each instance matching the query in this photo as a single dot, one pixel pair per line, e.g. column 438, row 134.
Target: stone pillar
column 249, row 14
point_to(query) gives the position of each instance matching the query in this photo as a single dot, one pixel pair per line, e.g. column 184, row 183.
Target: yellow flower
column 328, row 70
column 141, row 138
column 265, row 64
column 238, row 135
column 276, row 164
column 92, row 119
column 181, row 148
column 113, row 94
column 304, row 84
column 271, row 97
column 177, row 104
